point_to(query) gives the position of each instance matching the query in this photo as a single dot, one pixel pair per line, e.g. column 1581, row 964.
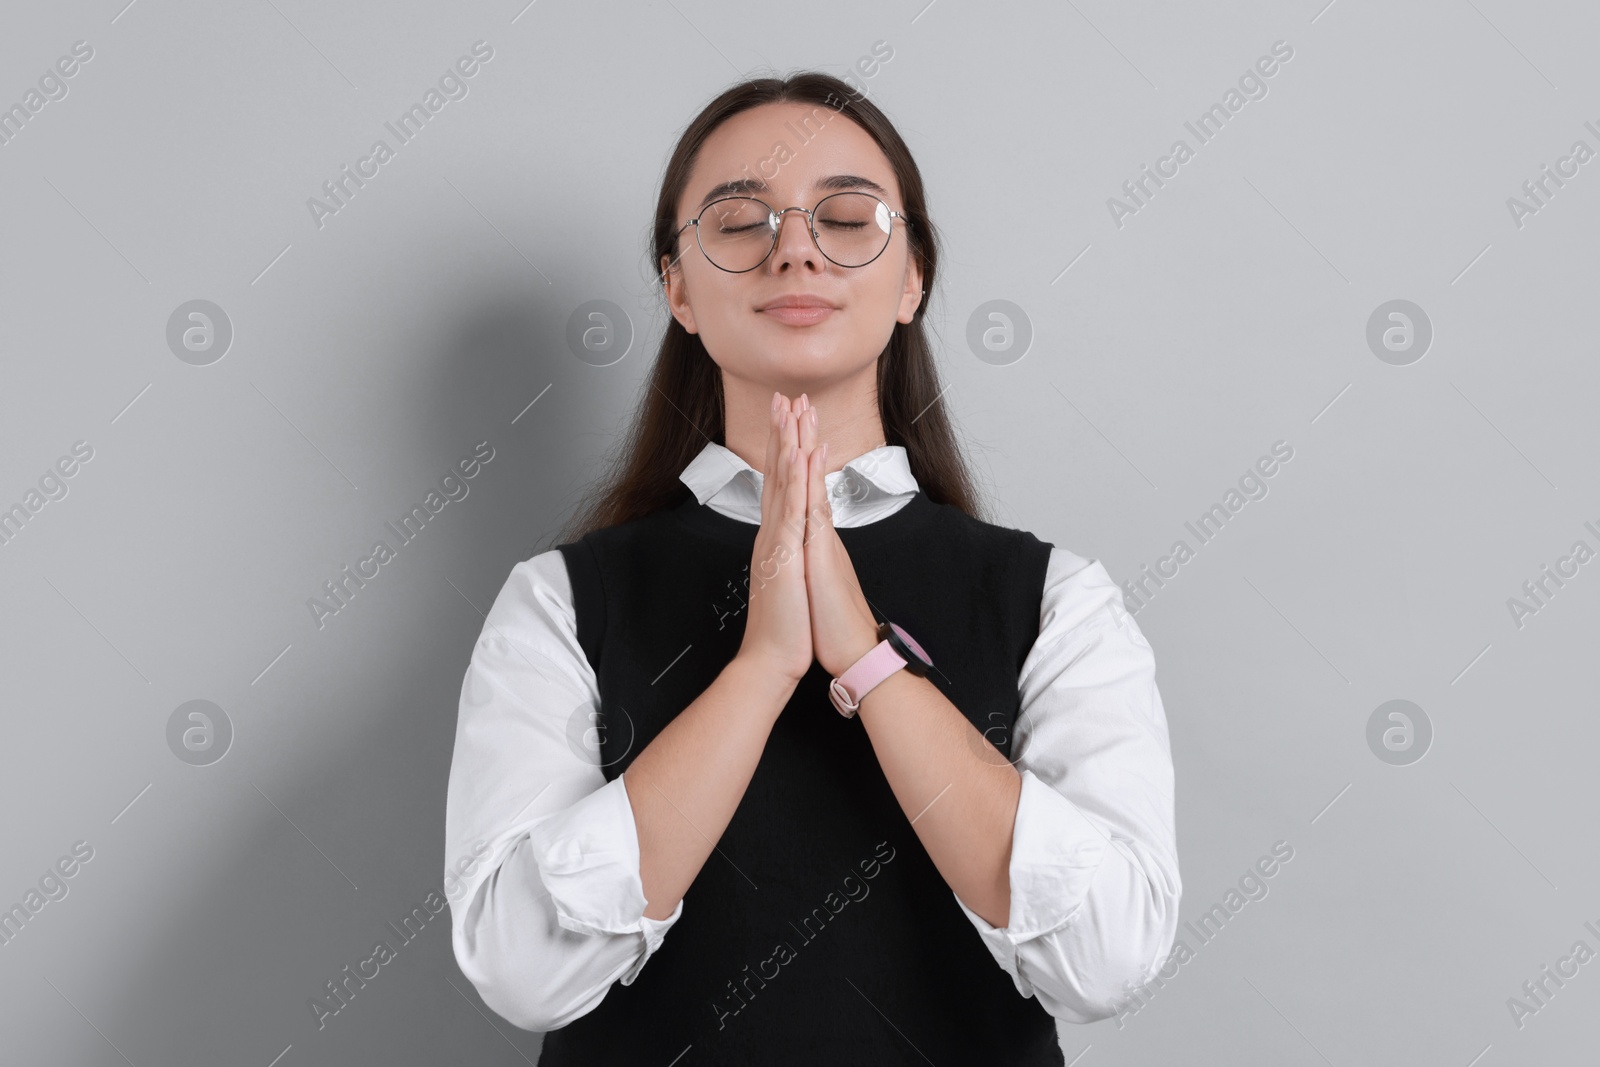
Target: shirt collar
column 720, row 477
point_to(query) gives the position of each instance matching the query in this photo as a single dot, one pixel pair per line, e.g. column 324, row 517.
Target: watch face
column 916, row 649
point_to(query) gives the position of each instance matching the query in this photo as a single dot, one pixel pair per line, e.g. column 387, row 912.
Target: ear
column 911, row 293
column 677, row 298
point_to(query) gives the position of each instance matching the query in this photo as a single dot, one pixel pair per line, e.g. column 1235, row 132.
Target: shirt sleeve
column 541, row 851
column 1094, row 866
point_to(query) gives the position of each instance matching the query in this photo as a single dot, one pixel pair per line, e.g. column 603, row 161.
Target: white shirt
column 542, row 854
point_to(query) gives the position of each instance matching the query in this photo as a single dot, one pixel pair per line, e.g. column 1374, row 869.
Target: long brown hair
column 683, row 407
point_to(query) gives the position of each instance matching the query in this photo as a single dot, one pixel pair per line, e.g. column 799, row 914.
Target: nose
column 795, row 244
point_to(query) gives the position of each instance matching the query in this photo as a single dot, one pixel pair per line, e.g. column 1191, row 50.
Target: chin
column 791, row 363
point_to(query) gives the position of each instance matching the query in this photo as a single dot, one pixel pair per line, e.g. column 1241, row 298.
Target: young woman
column 786, row 755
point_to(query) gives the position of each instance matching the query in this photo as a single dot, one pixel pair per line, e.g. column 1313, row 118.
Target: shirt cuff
column 588, row 859
column 1055, row 851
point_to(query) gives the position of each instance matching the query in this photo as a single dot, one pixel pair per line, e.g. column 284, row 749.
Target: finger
column 806, row 417
column 791, row 426
column 781, row 476
column 806, row 423
column 794, row 487
column 785, row 430
column 774, row 451
column 807, row 420
column 817, row 513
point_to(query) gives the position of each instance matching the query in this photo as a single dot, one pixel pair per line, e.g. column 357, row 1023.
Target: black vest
column 819, row 930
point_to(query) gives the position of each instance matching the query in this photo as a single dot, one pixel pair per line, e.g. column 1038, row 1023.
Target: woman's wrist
column 763, row 678
column 863, row 640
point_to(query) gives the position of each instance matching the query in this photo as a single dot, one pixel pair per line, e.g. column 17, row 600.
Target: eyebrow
column 835, row 183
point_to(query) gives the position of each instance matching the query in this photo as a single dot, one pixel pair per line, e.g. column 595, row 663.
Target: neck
column 847, row 416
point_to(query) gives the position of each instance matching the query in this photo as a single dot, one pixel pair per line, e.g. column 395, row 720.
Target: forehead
column 795, row 152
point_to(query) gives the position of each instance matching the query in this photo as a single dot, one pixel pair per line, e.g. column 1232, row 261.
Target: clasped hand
column 805, row 600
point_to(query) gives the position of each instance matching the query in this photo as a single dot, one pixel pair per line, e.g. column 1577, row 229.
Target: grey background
column 369, row 355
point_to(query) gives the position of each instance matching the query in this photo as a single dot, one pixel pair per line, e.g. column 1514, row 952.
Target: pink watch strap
column 862, row 676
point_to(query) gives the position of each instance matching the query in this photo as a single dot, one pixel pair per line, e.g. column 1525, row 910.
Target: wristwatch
column 895, row 649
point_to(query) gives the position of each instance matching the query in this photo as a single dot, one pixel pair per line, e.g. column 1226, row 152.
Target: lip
column 800, row 309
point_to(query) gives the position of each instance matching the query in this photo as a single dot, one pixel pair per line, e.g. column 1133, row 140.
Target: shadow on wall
column 354, row 743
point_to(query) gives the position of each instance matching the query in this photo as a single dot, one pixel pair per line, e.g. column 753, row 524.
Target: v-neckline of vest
column 912, row 516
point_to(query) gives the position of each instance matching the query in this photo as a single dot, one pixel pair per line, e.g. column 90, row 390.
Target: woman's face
column 761, row 148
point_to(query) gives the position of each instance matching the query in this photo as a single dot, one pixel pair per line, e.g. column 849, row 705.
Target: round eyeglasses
column 738, row 233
